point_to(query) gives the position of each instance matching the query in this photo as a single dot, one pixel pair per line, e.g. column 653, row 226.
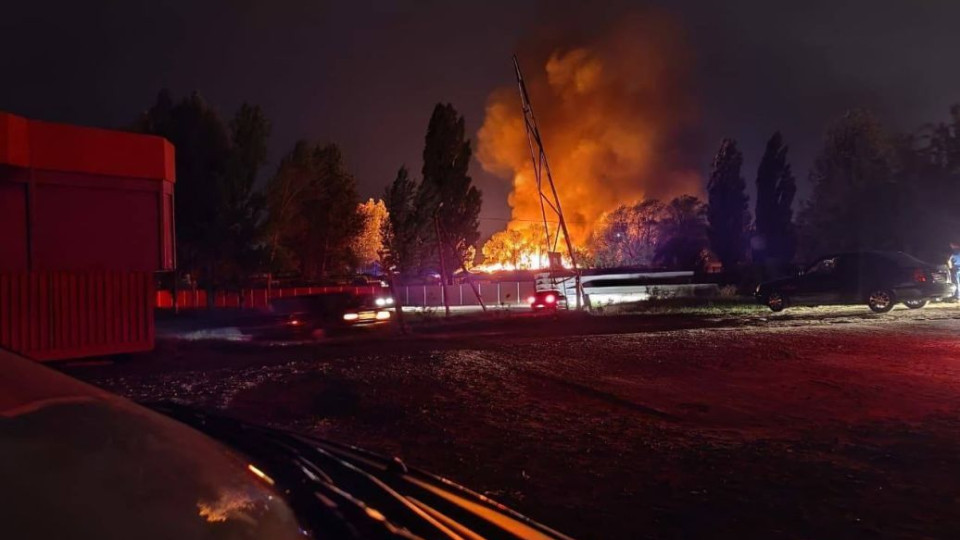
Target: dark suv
column 877, row 278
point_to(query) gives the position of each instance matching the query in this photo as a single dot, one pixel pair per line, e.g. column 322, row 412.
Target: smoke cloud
column 617, row 116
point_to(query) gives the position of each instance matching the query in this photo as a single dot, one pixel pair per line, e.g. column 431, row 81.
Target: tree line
column 871, row 189
column 307, row 218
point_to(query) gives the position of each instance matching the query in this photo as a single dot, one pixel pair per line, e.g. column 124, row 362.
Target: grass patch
column 704, row 307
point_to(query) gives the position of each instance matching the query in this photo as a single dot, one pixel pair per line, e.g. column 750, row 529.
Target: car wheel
column 776, row 301
column 915, row 304
column 880, row 301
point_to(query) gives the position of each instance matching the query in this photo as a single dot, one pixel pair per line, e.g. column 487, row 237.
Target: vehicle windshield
column 822, row 267
column 905, row 260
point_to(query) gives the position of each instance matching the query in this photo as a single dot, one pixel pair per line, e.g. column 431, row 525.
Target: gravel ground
column 815, row 423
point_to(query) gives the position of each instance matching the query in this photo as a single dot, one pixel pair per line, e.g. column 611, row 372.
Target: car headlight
column 380, row 302
column 383, row 315
column 350, row 316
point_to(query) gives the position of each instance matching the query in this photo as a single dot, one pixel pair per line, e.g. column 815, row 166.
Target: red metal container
column 86, row 218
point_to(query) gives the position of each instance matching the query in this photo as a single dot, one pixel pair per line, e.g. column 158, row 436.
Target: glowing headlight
column 350, row 316
column 389, row 300
column 383, row 315
column 380, row 302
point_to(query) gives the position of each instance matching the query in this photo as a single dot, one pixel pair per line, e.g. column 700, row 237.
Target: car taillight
column 294, row 322
column 531, row 300
column 919, row 275
column 551, row 298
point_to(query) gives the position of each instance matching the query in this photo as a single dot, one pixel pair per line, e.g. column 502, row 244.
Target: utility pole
column 393, row 282
column 443, row 268
column 541, row 171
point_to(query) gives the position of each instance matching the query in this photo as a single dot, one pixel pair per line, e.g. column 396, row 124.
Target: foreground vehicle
column 878, row 279
column 308, row 315
column 79, row 462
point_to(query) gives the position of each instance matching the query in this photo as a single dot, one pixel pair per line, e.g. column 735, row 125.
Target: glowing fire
column 617, row 122
column 520, row 248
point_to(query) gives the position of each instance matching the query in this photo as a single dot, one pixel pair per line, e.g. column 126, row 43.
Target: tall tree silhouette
column 202, row 144
column 727, row 213
column 776, row 188
column 402, row 228
column 313, row 219
column 856, row 197
column 447, row 191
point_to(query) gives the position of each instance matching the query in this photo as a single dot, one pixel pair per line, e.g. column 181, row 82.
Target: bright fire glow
column 616, row 115
column 520, row 247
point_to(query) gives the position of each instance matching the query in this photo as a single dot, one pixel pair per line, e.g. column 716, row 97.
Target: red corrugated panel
column 56, row 315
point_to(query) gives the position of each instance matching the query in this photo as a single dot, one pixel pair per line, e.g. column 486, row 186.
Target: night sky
column 366, row 74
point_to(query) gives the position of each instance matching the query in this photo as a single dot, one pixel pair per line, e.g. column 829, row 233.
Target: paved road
column 814, row 424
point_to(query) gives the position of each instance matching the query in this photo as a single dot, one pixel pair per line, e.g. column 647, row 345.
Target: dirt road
column 829, row 424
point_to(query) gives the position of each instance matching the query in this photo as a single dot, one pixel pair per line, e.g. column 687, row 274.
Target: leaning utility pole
column 541, row 171
column 443, row 267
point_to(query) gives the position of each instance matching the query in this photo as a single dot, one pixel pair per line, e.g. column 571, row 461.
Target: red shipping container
column 86, row 218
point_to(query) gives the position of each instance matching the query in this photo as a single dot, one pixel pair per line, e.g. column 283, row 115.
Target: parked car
column 547, row 301
column 79, row 462
column 305, row 316
column 876, row 278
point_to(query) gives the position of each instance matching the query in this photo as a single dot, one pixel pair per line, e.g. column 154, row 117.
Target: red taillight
column 294, row 322
column 919, row 275
column 551, row 298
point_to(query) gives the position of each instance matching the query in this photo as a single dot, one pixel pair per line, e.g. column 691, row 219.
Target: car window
column 823, row 267
column 904, row 260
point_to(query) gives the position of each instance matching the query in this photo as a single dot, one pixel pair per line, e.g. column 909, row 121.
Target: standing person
column 954, row 264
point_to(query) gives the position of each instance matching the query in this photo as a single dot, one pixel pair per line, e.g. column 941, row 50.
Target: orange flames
column 618, row 125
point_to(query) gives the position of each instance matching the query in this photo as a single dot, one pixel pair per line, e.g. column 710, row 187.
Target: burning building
column 619, row 124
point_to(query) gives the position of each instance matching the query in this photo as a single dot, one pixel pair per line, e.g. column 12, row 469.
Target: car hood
column 77, row 461
column 371, row 492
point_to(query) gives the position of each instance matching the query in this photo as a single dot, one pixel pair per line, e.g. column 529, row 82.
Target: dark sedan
column 878, row 279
